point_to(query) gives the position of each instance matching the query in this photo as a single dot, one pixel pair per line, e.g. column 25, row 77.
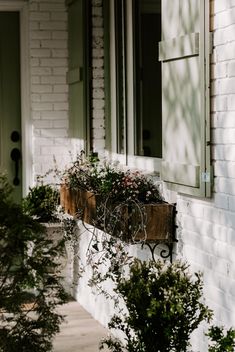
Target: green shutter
column 76, row 76
column 184, row 53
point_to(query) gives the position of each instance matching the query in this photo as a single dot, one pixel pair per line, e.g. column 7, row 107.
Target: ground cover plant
column 164, row 306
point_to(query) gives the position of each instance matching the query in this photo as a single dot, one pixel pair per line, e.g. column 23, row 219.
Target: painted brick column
column 207, row 227
column 49, row 91
column 98, row 98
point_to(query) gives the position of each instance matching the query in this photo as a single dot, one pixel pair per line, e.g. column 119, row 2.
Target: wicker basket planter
column 159, row 223
column 157, row 220
column 79, row 203
column 122, row 222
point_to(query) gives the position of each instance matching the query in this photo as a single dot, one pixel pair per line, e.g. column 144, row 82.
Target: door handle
column 15, row 156
column 15, row 136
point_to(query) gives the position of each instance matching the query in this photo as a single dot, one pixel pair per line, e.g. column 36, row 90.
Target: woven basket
column 79, row 203
column 158, row 220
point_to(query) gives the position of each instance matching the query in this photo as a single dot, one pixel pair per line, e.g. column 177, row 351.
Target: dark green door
column 10, row 109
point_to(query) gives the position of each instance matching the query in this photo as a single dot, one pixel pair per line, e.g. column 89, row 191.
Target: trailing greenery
column 30, row 282
column 221, row 340
column 115, row 192
column 42, row 202
column 164, row 306
column 117, row 202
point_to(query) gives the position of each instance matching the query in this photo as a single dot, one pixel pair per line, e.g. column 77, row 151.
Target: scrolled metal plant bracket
column 164, row 252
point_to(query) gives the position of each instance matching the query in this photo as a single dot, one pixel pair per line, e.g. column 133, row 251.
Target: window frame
column 85, row 74
column 153, row 164
column 129, row 158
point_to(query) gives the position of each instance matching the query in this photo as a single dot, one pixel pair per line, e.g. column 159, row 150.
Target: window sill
column 145, row 164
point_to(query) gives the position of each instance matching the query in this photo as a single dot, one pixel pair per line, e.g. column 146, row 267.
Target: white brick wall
column 206, row 227
column 97, row 106
column 49, row 91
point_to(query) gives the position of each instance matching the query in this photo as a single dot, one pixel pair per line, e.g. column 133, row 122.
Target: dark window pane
column 148, row 139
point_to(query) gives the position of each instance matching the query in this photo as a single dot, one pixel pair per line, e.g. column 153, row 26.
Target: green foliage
column 222, row 341
column 41, row 203
column 119, row 196
column 109, row 181
column 29, row 288
column 5, row 187
column 164, row 305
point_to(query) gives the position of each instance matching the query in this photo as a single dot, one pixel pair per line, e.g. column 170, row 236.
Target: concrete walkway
column 79, row 332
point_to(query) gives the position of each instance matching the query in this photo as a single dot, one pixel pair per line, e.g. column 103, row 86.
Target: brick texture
column 49, row 90
column 98, row 96
column 48, row 52
column 206, row 228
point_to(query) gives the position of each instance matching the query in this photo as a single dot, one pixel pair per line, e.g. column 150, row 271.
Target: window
column 120, row 49
column 148, row 94
column 144, row 19
column 78, row 70
column 159, row 74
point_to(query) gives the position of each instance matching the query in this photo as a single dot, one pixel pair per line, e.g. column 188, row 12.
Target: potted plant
column 29, row 292
column 126, row 204
column 78, row 188
column 42, row 203
column 133, row 208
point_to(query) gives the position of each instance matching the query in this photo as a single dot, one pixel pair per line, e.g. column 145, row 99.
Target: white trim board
column 26, row 126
